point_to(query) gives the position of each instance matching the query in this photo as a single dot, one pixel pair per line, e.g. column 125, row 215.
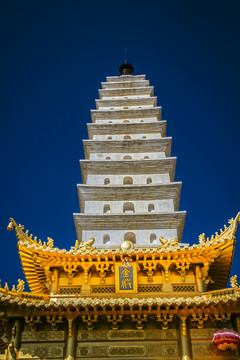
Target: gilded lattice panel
column 102, row 289
column 149, row 288
column 183, row 288
column 70, row 290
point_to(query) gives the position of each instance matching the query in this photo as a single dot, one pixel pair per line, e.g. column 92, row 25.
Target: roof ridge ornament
column 226, row 234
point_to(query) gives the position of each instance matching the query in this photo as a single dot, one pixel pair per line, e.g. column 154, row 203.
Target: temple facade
column 128, row 288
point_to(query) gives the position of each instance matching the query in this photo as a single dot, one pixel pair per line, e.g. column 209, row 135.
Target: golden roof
column 214, row 255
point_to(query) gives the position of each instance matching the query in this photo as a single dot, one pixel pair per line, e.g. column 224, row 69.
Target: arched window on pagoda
column 127, row 180
column 106, row 181
column 130, row 236
column 150, row 207
column 106, row 209
column 127, row 157
column 128, row 207
column 106, row 239
column 153, row 238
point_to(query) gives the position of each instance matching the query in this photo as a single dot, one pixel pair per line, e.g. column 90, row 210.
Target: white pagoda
column 128, row 190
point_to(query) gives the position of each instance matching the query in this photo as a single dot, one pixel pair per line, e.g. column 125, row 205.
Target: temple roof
column 214, row 254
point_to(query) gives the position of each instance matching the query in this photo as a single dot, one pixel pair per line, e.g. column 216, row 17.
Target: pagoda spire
column 126, row 68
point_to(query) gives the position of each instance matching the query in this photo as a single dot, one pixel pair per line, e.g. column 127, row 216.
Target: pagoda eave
column 130, row 192
column 123, row 146
column 143, row 113
column 131, row 128
column 105, row 103
column 164, row 220
column 125, row 78
column 131, row 83
column 160, row 166
column 105, row 93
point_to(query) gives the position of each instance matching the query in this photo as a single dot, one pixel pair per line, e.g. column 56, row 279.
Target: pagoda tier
column 130, row 92
column 142, row 225
column 125, row 84
column 151, row 113
column 131, row 192
column 125, row 78
column 160, row 169
column 160, row 146
column 129, row 102
column 96, row 130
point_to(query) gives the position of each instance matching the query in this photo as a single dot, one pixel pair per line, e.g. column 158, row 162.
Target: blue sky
column 55, row 55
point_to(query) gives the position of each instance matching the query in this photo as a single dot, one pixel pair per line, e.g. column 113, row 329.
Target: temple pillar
column 184, row 339
column 56, row 280
column 71, row 342
column 15, row 342
column 199, row 281
column 237, row 322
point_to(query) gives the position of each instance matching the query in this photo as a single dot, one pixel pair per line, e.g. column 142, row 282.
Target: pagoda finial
column 126, row 68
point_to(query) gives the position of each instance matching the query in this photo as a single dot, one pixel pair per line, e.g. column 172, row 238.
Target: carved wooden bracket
column 55, row 321
column 71, row 270
column 102, row 268
column 150, row 267
column 89, row 320
column 115, row 320
column 222, row 317
column 164, row 319
column 182, row 267
column 139, row 319
column 33, row 321
column 198, row 319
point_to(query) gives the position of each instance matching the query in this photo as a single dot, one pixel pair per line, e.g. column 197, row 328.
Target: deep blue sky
column 54, row 55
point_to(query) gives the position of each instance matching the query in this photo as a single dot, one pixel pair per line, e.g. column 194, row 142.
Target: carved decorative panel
column 154, row 334
column 202, row 333
column 206, row 349
column 201, row 350
column 127, row 349
column 126, row 334
column 29, row 336
column 46, row 350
